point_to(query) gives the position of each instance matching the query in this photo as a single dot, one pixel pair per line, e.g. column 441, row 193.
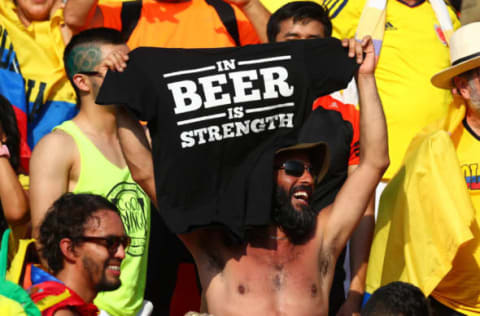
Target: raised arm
column 82, row 13
column 353, row 198
column 136, row 150
column 257, row 14
column 50, row 167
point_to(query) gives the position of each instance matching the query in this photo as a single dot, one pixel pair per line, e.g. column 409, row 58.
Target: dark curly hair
column 8, row 122
column 397, row 299
column 66, row 219
column 298, row 11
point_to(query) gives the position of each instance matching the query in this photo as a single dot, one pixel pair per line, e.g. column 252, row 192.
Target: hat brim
column 319, row 155
column 444, row 78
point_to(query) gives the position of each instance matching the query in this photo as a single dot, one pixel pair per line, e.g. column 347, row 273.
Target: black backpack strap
column 130, row 15
column 227, row 15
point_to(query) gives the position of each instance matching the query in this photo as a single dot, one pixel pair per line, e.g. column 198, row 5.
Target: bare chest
column 281, row 280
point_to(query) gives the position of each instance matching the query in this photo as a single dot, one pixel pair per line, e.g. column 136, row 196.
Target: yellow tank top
column 99, row 176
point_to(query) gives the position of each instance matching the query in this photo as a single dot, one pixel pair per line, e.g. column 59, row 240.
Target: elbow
column 383, row 165
column 141, row 178
column 16, row 218
column 73, row 22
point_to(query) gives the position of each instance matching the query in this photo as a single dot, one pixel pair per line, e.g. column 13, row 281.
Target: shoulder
column 55, row 146
column 56, row 141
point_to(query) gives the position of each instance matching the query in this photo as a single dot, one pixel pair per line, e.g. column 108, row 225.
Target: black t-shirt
column 216, row 117
column 329, row 126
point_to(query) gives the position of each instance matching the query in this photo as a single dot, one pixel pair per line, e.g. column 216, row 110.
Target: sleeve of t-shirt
column 349, row 113
column 246, row 31
column 131, row 88
column 327, row 65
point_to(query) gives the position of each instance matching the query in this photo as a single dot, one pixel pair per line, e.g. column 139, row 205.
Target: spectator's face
column 304, row 29
column 101, row 264
column 292, row 211
column 298, row 188
column 35, row 10
column 470, row 90
column 474, row 90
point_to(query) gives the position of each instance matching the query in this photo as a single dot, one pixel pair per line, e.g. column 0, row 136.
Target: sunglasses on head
column 296, row 168
column 110, row 242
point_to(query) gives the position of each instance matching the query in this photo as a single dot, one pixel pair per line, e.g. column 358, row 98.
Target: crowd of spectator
column 306, row 211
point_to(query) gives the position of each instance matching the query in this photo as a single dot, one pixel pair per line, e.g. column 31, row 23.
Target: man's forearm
column 257, row 14
column 136, row 150
column 12, row 196
column 78, row 13
column 373, row 129
column 360, row 244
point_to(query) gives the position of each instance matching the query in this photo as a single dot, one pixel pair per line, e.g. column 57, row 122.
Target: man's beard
column 297, row 225
column 103, row 284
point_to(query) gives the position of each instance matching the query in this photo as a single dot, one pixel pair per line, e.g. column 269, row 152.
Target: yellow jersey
column 460, row 288
column 413, row 50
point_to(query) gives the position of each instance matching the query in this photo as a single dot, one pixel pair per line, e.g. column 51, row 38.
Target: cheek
column 284, row 182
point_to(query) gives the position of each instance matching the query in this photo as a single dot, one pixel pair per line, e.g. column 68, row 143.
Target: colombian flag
column 12, row 87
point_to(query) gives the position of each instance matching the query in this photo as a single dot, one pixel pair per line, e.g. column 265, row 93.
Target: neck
column 269, row 233
column 23, row 18
column 411, row 2
column 473, row 119
column 77, row 282
column 98, row 119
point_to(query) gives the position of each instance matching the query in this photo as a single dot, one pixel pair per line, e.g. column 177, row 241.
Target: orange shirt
column 349, row 113
column 191, row 24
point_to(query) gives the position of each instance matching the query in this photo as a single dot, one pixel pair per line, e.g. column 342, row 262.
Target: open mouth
column 302, row 194
column 114, row 269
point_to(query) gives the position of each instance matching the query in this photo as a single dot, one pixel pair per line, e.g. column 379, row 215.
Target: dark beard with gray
column 299, row 226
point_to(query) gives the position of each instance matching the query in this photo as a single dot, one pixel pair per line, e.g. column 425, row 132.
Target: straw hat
column 464, row 55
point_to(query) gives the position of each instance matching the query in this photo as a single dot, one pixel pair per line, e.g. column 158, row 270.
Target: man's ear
column 68, row 251
column 81, row 82
column 462, row 87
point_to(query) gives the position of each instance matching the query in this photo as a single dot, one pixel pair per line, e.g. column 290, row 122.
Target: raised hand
column 364, row 53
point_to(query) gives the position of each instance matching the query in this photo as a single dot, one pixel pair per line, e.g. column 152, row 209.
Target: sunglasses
column 110, row 242
column 90, row 73
column 296, row 168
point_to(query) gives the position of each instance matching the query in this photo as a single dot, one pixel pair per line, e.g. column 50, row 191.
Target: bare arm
column 352, row 200
column 81, row 13
column 50, row 167
column 136, row 150
column 12, row 196
column 257, row 14
column 360, row 244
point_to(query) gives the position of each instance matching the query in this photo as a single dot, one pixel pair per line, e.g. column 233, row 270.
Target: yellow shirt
column 413, row 50
column 460, row 288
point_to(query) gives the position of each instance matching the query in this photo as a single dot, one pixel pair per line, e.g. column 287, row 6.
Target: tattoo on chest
column 279, row 280
column 314, row 290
